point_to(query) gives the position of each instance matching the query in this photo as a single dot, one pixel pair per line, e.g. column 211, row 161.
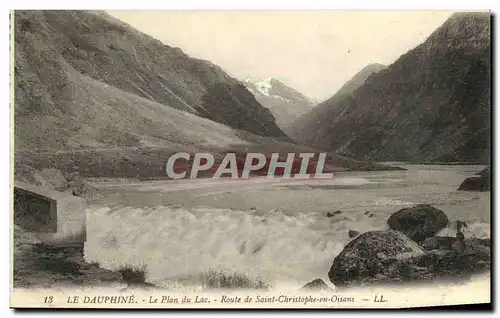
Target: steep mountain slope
column 285, row 103
column 69, row 62
column 432, row 104
column 357, row 80
column 306, row 126
column 95, row 96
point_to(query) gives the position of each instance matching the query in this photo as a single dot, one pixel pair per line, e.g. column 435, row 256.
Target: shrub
column 220, row 278
column 133, row 274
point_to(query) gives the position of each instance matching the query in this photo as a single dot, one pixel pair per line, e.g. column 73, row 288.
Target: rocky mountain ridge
column 432, row 105
column 286, row 103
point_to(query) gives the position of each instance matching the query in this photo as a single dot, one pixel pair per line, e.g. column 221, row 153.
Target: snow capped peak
column 274, row 88
column 263, row 86
column 284, row 102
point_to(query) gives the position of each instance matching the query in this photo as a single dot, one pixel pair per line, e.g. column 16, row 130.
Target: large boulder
column 444, row 243
column 479, row 182
column 418, row 222
column 438, row 243
column 476, row 258
column 372, row 256
column 390, row 257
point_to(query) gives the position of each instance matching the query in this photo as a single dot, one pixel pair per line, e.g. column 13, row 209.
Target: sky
column 315, row 52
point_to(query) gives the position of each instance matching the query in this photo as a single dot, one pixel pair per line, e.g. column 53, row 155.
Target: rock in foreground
column 449, row 243
column 390, row 257
column 316, row 285
column 418, row 222
column 371, row 255
column 352, row 233
column 438, row 243
column 451, row 263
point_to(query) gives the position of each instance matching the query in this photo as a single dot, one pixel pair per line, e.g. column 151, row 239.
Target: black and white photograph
column 297, row 159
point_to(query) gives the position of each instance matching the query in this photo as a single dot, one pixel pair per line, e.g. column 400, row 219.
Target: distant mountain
column 432, row 104
column 95, row 96
column 285, row 103
column 307, row 125
column 83, row 77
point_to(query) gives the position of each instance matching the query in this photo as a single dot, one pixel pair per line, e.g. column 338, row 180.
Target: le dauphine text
column 222, row 299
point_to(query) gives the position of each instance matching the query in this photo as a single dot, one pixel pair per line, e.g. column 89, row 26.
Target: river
column 272, row 230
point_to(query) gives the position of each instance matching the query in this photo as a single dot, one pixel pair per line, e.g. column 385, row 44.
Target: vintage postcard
column 250, row 159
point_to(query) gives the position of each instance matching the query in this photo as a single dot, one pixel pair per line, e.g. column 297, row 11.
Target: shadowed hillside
column 308, row 124
column 86, row 79
column 432, row 104
column 95, row 96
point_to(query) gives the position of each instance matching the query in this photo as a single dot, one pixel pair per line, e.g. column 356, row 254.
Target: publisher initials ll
column 379, row 300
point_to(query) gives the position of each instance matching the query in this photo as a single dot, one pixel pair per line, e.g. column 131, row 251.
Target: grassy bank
column 40, row 265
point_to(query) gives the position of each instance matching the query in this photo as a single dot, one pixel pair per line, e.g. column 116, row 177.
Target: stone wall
column 53, row 216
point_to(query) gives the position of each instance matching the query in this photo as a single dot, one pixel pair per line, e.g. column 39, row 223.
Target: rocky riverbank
column 41, row 265
column 46, row 266
column 409, row 252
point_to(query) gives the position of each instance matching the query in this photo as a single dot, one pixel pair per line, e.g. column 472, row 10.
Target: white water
column 180, row 229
